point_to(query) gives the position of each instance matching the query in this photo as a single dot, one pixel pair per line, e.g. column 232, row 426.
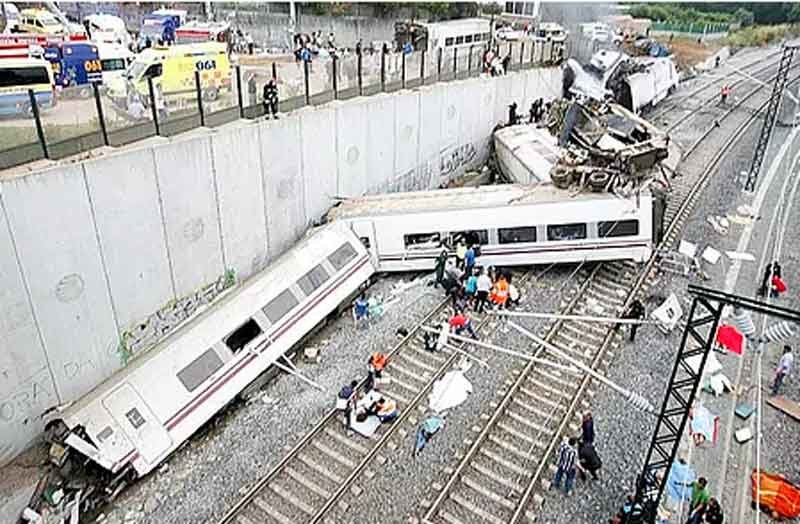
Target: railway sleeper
column 420, row 362
column 307, row 483
column 539, row 398
column 347, row 442
column 549, row 388
column 476, row 510
column 532, row 407
column 483, row 490
column 449, row 518
column 291, row 497
column 525, row 421
column 603, row 295
column 508, row 447
column 270, row 512
column 583, row 330
column 504, row 481
column 528, row 441
column 333, row 454
column 413, row 375
column 319, row 468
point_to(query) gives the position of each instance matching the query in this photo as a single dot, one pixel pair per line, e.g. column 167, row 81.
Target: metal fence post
column 403, row 71
column 455, row 63
column 360, row 82
column 153, row 108
column 100, row 117
column 308, row 89
column 335, row 80
column 274, row 71
column 533, row 51
column 439, row 66
column 38, row 119
column 383, row 68
column 422, row 69
column 199, row 95
column 469, row 61
column 239, row 90
column 521, row 53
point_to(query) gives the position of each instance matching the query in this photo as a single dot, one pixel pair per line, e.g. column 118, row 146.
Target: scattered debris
column 704, row 426
column 790, row 407
column 744, row 410
column 711, row 255
column 738, row 255
column 668, row 313
column 720, row 224
column 743, row 435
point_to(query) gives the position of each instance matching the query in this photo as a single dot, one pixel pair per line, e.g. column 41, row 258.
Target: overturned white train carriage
column 131, row 422
column 513, row 224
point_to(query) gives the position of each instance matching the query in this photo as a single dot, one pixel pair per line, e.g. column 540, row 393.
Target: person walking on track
column 567, row 458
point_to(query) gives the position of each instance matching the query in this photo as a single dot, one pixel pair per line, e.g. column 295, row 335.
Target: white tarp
column 449, row 391
column 668, row 313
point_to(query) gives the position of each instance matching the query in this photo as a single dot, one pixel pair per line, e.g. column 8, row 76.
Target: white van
column 114, row 60
column 107, row 29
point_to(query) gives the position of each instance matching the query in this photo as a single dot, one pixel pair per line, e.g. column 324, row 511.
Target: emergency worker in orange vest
column 500, row 292
column 377, row 361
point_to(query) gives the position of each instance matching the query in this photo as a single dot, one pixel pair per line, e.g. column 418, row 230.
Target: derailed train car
column 129, row 424
column 513, row 225
column 612, row 76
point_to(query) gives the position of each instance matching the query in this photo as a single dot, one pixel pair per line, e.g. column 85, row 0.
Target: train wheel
column 561, row 179
column 598, row 181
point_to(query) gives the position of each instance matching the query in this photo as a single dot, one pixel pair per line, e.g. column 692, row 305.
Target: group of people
column 349, row 396
column 494, row 65
column 470, row 286
column 307, row 46
column 577, row 455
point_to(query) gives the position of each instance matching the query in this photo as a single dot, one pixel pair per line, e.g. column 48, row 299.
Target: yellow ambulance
column 172, row 70
column 39, row 21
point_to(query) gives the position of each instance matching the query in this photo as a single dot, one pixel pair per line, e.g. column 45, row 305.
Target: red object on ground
column 778, row 284
column 777, row 494
column 730, row 338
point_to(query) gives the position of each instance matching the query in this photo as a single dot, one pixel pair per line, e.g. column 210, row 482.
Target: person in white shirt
column 783, row 370
column 483, row 287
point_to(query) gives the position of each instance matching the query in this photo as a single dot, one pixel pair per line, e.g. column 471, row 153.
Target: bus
column 17, row 76
column 447, row 35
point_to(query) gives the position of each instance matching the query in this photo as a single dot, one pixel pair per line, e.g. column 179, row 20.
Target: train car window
column 342, row 256
column 199, row 370
column 459, row 40
column 422, row 240
column 621, row 228
column 135, row 418
column 478, row 38
column 468, row 39
column 448, row 41
column 566, row 232
column 365, row 241
column 471, row 237
column 513, row 235
column 279, row 306
column 243, row 335
column 313, row 279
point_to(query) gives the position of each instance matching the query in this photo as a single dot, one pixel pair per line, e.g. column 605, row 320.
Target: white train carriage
column 141, row 414
column 650, row 87
column 513, row 224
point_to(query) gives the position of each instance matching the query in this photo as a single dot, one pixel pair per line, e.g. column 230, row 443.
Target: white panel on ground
column 406, row 125
column 51, row 221
column 430, row 135
column 283, row 187
column 188, row 196
column 319, row 160
column 26, row 388
column 351, row 132
column 127, row 212
column 240, row 194
column 380, row 143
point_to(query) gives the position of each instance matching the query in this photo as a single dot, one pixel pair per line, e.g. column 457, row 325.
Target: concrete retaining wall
column 100, row 258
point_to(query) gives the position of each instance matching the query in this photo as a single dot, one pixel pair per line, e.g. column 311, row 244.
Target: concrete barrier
column 100, row 257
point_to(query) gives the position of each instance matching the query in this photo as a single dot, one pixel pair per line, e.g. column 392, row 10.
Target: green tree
column 744, row 17
column 794, row 13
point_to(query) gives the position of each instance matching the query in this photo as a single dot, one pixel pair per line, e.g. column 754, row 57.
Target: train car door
column 138, row 422
column 365, row 231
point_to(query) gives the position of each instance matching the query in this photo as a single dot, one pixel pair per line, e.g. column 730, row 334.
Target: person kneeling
column 385, row 410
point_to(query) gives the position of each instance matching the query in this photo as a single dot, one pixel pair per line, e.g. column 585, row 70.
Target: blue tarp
column 679, row 482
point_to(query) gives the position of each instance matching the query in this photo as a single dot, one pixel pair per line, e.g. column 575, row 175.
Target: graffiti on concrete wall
column 145, row 334
column 456, row 157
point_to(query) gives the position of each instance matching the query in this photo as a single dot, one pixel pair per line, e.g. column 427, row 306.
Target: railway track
column 501, row 477
column 317, row 472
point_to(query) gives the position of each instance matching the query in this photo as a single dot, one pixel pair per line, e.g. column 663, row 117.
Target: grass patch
column 761, row 35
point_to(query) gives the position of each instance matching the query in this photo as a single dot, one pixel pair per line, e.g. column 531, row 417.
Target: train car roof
column 460, row 198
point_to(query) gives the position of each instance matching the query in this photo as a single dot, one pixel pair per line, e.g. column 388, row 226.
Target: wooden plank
column 790, row 407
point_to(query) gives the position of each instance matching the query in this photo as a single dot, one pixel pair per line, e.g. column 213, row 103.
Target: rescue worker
column 271, row 99
column 588, row 460
column 482, row 288
column 635, row 311
column 460, row 322
column 361, row 310
column 343, row 401
column 500, row 292
column 726, row 90
column 512, row 114
column 441, row 260
column 375, row 365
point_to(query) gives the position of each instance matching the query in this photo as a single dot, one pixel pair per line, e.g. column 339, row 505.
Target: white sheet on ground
column 449, row 391
column 372, row 423
column 668, row 313
column 712, row 364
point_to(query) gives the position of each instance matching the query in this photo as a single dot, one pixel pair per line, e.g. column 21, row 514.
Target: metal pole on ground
column 100, row 117
column 455, row 63
column 153, row 108
column 521, row 53
column 38, row 119
column 239, row 90
column 308, row 89
column 199, row 96
column 335, row 80
column 439, row 66
column 533, row 50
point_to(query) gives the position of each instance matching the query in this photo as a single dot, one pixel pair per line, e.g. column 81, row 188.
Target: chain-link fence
column 76, row 119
